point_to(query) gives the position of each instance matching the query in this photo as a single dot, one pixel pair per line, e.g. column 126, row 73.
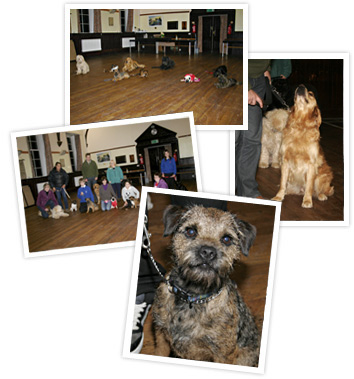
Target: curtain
column 97, row 27
column 223, row 30
column 78, row 21
column 78, row 152
column 130, row 20
column 48, row 153
column 200, row 34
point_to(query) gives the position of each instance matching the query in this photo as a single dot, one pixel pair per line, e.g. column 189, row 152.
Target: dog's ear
column 171, row 216
column 246, row 233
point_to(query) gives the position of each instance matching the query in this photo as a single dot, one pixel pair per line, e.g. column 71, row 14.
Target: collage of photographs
column 211, row 173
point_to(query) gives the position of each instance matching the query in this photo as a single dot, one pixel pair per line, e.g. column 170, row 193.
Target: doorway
column 156, row 154
column 211, row 34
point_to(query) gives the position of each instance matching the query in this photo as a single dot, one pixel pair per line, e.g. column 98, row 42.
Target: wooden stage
column 250, row 273
column 330, row 210
column 82, row 229
column 92, row 99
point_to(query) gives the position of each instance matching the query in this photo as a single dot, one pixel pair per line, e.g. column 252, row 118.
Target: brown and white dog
column 81, row 65
column 304, row 170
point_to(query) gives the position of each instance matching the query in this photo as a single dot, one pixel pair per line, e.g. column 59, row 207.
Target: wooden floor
column 82, row 229
column 250, row 274
column 92, row 99
column 331, row 210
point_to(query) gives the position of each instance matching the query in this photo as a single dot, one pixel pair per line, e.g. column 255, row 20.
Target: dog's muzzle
column 207, row 253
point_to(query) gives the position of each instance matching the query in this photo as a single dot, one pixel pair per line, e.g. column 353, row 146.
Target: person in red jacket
column 46, row 199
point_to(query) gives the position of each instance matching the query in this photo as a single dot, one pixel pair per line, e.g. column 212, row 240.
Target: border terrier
column 91, row 205
column 200, row 314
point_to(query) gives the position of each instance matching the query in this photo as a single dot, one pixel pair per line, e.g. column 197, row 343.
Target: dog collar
column 188, row 298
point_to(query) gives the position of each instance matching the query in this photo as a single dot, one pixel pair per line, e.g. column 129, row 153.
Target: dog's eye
column 226, row 240
column 191, row 232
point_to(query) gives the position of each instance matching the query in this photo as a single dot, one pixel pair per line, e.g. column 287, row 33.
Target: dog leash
column 172, row 287
column 278, row 96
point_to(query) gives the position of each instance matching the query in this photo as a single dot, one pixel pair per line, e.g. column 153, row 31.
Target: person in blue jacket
column 169, row 170
column 84, row 192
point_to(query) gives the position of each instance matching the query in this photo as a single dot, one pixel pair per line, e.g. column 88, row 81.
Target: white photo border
column 346, row 127
column 65, row 129
column 231, row 5
column 135, row 270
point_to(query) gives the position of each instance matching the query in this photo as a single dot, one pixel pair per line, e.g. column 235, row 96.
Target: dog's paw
column 307, row 203
column 275, row 165
column 263, row 165
column 322, row 197
column 277, row 198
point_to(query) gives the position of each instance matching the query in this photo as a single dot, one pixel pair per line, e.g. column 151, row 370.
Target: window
column 37, row 155
column 86, row 19
column 172, row 25
column 122, row 20
column 72, row 151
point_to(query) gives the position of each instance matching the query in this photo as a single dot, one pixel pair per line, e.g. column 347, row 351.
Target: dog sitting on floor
column 96, row 189
column 131, row 65
column 81, row 65
column 73, row 207
column 273, row 124
column 91, row 206
column 199, row 314
column 304, row 170
column 114, row 203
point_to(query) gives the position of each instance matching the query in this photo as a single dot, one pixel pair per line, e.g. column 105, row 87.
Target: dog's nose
column 207, row 253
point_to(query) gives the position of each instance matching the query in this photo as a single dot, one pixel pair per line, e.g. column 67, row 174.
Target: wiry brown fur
column 222, row 330
column 304, row 169
column 131, row 65
column 273, row 124
column 91, row 205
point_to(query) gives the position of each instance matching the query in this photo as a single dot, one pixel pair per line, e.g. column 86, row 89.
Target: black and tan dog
column 199, row 314
column 91, row 205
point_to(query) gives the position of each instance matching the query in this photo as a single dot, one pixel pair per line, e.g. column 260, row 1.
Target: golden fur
column 304, row 169
column 135, row 202
column 131, row 65
column 273, row 124
column 96, row 188
column 58, row 212
column 81, row 65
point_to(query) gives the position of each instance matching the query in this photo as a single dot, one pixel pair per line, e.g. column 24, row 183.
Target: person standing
column 248, row 142
column 58, row 179
column 115, row 177
column 90, row 172
column 169, row 170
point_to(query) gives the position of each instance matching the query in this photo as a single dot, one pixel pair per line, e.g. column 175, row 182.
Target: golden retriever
column 273, row 124
column 81, row 65
column 131, row 65
column 304, row 169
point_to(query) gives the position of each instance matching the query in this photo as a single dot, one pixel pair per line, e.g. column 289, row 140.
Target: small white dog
column 58, row 212
column 81, row 65
column 73, row 207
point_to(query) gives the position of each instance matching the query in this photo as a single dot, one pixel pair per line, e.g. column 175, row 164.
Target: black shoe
column 141, row 311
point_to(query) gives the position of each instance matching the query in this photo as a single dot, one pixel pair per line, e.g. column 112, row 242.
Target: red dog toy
column 190, row 78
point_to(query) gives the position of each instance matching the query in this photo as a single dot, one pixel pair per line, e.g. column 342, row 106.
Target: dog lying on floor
column 81, row 65
column 131, row 65
column 304, row 170
column 200, row 314
column 58, row 212
column 224, row 81
column 273, row 124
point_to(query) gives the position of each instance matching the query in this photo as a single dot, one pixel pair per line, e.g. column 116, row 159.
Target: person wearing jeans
column 58, row 180
column 106, row 194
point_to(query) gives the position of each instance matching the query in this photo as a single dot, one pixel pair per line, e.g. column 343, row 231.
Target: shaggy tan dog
column 81, row 65
column 272, row 135
column 131, row 65
column 304, row 169
column 91, row 205
column 58, row 212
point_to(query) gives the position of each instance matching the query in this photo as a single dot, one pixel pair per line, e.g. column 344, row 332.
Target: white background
column 64, row 316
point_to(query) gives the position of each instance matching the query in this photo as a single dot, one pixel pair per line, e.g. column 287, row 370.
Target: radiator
column 93, row 44
column 128, row 42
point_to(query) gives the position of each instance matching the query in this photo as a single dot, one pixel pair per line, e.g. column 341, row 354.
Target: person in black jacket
column 58, row 180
